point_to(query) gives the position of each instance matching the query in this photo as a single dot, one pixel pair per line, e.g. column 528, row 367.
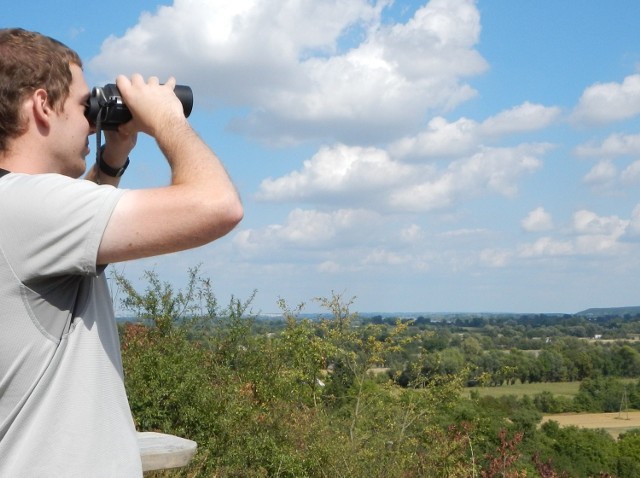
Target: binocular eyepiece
column 105, row 106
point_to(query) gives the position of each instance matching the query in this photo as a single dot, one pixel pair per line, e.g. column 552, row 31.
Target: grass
column 613, row 423
column 566, row 389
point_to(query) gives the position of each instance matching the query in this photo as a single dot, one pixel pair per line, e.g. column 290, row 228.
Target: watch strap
column 108, row 170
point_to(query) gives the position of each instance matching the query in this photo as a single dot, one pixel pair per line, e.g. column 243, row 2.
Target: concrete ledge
column 160, row 452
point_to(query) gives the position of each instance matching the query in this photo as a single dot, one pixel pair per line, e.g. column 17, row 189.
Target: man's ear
column 42, row 110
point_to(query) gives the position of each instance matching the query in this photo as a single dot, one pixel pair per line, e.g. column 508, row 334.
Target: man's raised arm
column 200, row 205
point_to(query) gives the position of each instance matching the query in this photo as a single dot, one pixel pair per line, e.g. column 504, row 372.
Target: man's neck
column 21, row 157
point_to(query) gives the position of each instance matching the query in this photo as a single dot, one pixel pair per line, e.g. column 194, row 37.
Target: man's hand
column 154, row 107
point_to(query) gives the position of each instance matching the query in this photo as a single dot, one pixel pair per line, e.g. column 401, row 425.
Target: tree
column 629, row 454
column 581, row 452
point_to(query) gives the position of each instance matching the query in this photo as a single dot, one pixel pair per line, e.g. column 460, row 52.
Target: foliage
column 337, row 395
column 629, row 454
column 581, row 452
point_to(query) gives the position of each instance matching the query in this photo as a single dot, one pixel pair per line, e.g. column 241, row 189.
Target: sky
column 416, row 156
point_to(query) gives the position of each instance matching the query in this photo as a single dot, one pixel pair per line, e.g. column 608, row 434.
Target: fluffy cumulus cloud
column 526, row 117
column 618, row 162
column 307, row 68
column 537, row 220
column 613, row 146
column 589, row 223
column 607, row 102
column 339, row 174
column 630, row 176
column 602, row 176
column 443, row 139
column 591, row 235
column 489, row 171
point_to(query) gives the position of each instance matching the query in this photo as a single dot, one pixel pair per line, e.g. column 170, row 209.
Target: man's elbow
column 226, row 217
column 235, row 213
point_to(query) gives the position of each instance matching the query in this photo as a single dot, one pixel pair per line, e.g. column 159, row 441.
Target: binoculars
column 106, row 107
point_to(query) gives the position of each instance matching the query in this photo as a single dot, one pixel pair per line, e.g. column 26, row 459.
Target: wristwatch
column 108, row 170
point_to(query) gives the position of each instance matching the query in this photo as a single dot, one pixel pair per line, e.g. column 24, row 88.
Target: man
column 63, row 408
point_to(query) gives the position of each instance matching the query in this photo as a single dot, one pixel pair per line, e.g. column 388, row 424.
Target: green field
column 567, row 389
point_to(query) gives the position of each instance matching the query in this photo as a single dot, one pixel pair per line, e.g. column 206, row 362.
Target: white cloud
column 412, row 234
column 495, row 257
column 308, row 229
column 597, row 244
column 525, row 117
column 605, row 175
column 384, row 85
column 607, row 102
column 592, row 235
column 602, row 176
column 341, row 173
column 537, row 220
column 598, row 234
column 440, row 139
column 437, row 43
column 285, row 61
column 386, row 257
column 547, row 246
column 631, row 174
column 493, row 170
column 589, row 223
column 615, row 145
column 368, row 177
column 443, row 139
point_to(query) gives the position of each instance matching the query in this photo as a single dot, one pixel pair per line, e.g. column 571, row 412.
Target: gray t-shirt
column 63, row 406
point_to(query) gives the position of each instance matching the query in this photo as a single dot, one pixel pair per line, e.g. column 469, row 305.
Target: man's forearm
column 193, row 163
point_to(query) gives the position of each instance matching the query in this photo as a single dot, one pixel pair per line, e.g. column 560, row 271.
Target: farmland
column 613, row 423
column 566, row 389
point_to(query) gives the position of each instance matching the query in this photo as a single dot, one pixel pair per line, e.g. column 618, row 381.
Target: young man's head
column 30, row 61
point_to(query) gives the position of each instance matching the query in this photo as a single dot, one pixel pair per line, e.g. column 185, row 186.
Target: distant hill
column 605, row 311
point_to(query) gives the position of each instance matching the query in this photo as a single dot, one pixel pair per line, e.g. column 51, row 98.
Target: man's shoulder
column 52, row 194
column 35, row 182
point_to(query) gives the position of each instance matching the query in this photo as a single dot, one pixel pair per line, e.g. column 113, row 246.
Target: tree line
column 486, row 360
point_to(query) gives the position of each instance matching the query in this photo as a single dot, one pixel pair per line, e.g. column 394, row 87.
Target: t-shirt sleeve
column 53, row 225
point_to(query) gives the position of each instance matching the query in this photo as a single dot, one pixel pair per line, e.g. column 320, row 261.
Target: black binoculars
column 106, row 108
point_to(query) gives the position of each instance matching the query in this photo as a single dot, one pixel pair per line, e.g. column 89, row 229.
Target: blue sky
column 449, row 155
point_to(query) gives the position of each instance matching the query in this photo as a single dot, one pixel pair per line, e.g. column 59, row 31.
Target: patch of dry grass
column 614, row 423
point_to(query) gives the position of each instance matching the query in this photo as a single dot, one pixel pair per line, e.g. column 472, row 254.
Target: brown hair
column 29, row 61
